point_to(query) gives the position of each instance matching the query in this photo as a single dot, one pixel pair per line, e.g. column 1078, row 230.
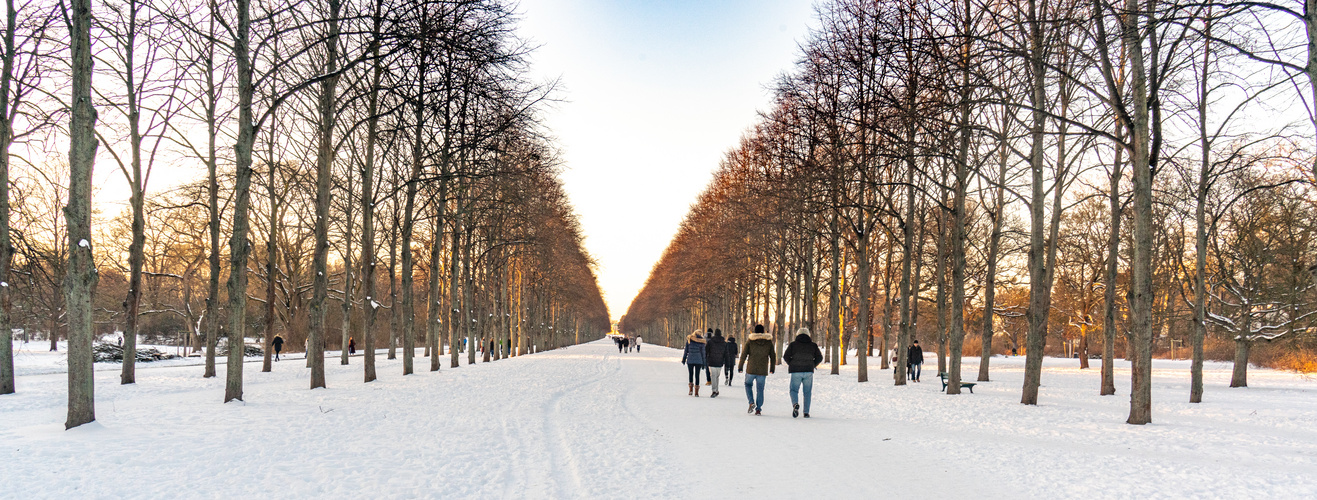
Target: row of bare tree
column 360, row 131
column 1056, row 166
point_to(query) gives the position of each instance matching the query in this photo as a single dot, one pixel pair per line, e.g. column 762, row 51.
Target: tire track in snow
column 566, row 463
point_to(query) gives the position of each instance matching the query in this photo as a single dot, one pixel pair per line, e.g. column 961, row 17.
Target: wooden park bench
column 967, row 385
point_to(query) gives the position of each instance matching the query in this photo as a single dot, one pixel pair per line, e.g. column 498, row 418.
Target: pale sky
column 654, row 93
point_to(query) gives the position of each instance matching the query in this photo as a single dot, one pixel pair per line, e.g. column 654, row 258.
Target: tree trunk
column 1200, row 227
column 834, row 298
column 1141, row 294
column 132, row 303
column 80, row 278
column 958, row 216
column 433, row 309
column 239, row 248
column 1239, row 376
column 6, row 246
column 941, row 272
column 1036, row 339
column 345, row 322
column 324, row 173
column 369, row 304
column 454, row 300
column 271, row 259
column 994, row 247
column 862, row 327
column 1112, row 266
column 395, row 311
column 212, row 194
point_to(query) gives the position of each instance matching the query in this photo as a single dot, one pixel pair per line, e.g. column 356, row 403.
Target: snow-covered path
column 588, row 422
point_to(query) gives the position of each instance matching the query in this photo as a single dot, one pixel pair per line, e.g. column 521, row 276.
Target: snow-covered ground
column 588, row 422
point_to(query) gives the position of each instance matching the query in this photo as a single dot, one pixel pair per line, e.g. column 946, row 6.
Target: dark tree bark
column 80, row 278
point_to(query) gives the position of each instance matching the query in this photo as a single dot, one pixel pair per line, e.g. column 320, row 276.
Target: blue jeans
column 751, row 383
column 914, row 370
column 693, row 372
column 799, row 379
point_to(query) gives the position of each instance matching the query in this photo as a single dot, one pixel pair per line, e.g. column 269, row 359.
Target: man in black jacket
column 715, row 358
column 914, row 358
column 802, row 357
column 732, row 352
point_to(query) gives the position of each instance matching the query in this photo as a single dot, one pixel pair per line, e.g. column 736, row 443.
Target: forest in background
column 374, row 170
column 1086, row 178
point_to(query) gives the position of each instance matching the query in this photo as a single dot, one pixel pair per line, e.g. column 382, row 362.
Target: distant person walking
column 708, row 380
column 716, row 359
column 914, row 358
column 626, row 343
column 761, row 360
column 694, row 357
column 732, row 351
column 802, row 357
column 352, row 346
column 618, row 341
column 278, row 344
column 638, row 341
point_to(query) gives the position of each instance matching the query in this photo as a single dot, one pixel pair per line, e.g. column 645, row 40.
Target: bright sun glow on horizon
column 653, row 93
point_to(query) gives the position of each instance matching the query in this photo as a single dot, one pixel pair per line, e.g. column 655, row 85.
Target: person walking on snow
column 762, row 361
column 802, row 357
column 732, row 351
column 715, row 358
column 618, row 341
column 708, row 334
column 914, row 361
column 278, row 344
column 352, row 346
column 638, row 339
column 626, row 344
column 693, row 357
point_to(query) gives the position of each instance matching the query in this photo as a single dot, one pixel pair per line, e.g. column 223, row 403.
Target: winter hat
column 759, row 328
column 802, row 335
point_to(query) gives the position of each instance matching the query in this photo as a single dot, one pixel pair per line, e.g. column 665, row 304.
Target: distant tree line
column 1113, row 176
column 373, row 170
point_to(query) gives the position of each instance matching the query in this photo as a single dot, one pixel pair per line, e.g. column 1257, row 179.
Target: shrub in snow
column 248, row 350
column 105, row 352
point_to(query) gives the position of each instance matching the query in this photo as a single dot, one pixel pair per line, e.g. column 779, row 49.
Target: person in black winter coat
column 732, row 352
column 715, row 352
column 278, row 344
column 802, row 357
column 914, row 359
column 708, row 334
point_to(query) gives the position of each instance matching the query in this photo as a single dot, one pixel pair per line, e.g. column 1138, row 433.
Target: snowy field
column 587, row 422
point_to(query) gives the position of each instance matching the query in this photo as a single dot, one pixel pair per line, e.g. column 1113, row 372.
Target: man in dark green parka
column 762, row 361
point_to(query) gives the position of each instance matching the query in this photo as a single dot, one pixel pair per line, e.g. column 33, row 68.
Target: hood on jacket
column 760, row 336
column 695, row 337
column 802, row 335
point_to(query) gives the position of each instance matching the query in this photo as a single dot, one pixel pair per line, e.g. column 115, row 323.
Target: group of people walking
column 625, row 344
column 709, row 352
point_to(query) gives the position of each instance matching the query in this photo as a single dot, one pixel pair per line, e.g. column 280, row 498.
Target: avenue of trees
column 364, row 169
column 1087, row 178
